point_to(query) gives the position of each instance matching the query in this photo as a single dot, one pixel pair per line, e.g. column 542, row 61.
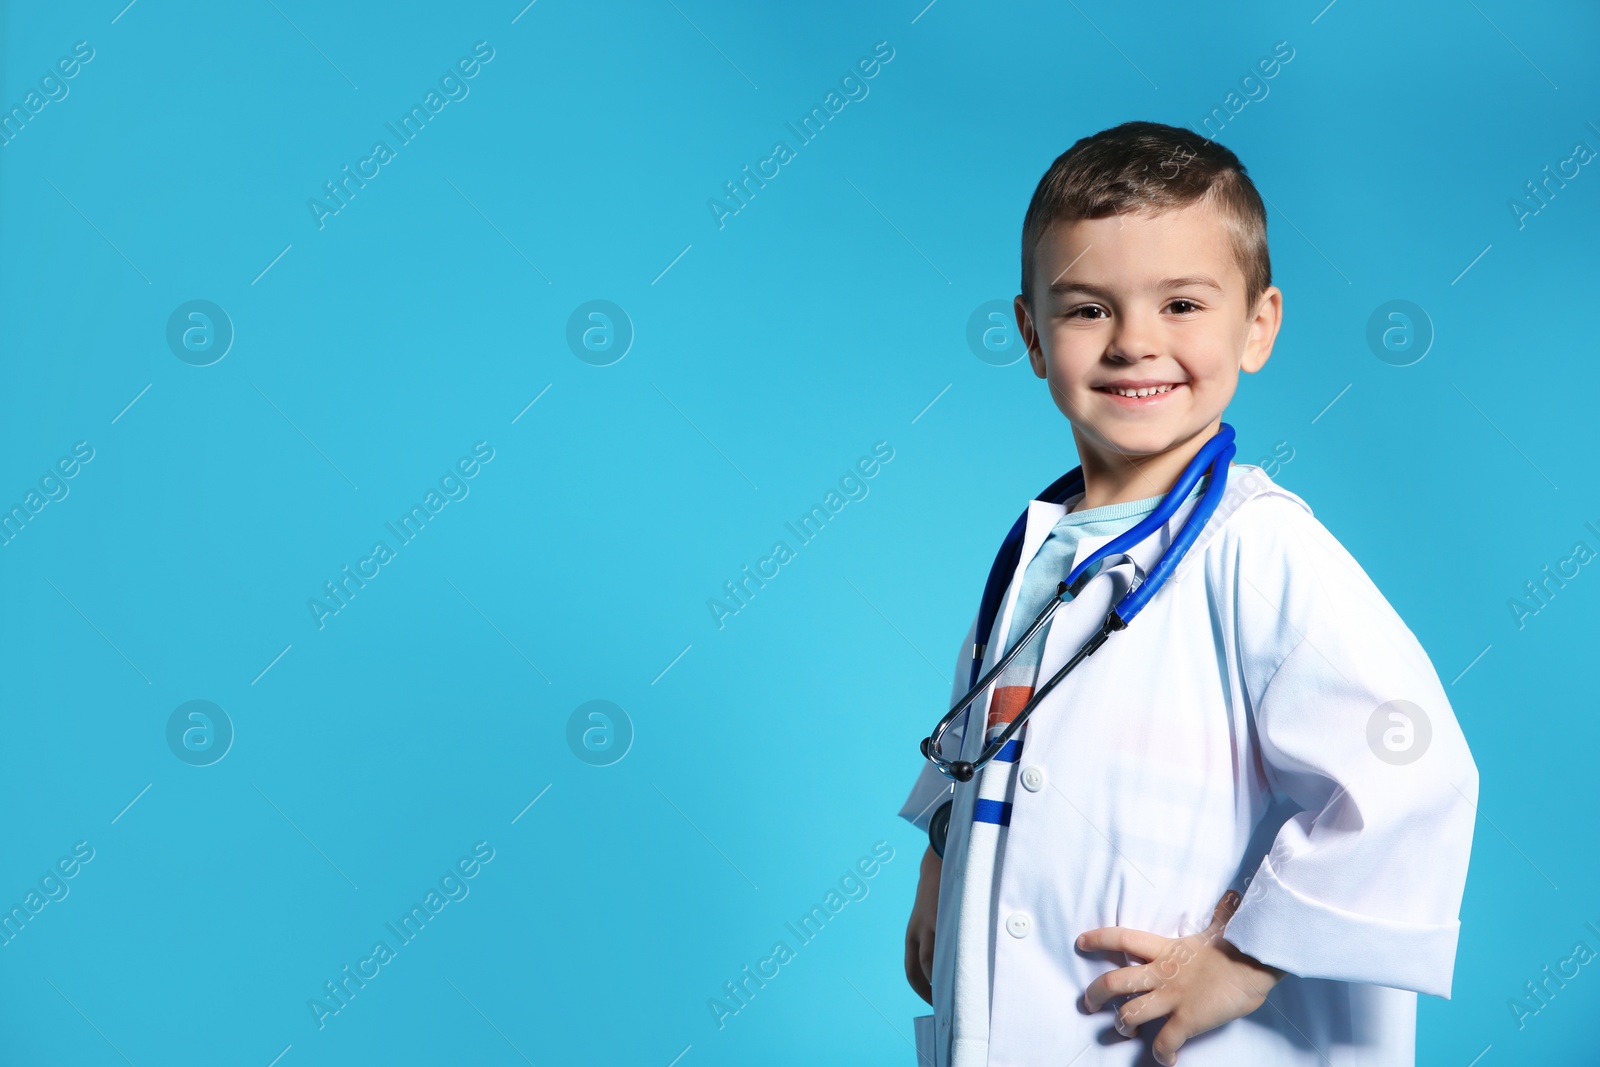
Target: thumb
column 1226, row 907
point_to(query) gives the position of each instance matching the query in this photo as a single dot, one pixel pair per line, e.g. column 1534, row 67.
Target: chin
column 1141, row 447
column 1155, row 430
column 1147, row 440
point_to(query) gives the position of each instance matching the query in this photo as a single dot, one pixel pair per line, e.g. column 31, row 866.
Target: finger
column 919, row 984
column 1133, row 1013
column 1165, row 1047
column 920, row 987
column 925, row 957
column 1140, row 943
column 1117, row 983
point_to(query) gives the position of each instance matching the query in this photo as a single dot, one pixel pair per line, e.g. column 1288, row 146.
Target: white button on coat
column 1018, row 925
column 1220, row 741
column 1032, row 779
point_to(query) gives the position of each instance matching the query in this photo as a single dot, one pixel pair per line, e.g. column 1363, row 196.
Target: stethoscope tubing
column 1214, row 456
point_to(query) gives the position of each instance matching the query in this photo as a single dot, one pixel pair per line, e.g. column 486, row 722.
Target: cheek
column 1218, row 366
column 1073, row 356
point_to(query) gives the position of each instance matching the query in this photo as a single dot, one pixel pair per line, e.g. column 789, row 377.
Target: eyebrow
column 1192, row 280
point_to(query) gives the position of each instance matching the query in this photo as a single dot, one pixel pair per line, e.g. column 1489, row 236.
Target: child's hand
column 1199, row 982
column 919, row 931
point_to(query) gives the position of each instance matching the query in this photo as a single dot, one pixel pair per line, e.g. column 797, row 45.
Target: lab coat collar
column 1245, row 482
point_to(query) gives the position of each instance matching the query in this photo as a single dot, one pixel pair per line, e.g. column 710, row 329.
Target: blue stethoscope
column 1214, row 455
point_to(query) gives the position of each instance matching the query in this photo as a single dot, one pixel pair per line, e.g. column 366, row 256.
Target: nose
column 1136, row 336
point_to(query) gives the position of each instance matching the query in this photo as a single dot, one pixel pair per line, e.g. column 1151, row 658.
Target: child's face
column 1141, row 300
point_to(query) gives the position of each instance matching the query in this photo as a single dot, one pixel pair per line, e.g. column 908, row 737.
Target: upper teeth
column 1150, row 390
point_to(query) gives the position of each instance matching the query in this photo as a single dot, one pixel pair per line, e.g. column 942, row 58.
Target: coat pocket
column 926, row 1035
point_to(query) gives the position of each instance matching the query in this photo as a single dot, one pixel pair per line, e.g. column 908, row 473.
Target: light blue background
column 771, row 754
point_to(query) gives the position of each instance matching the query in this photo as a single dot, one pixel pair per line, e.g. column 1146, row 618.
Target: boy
column 1244, row 823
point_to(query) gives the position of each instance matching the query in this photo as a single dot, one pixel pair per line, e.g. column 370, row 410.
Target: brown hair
column 1145, row 167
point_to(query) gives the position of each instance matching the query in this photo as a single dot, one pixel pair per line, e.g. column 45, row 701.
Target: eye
column 1073, row 313
column 1182, row 300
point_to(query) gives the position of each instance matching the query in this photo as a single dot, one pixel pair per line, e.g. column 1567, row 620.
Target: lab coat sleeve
column 1364, row 884
column 932, row 788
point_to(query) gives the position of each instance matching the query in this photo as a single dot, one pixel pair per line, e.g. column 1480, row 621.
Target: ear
column 1030, row 336
column 1263, row 330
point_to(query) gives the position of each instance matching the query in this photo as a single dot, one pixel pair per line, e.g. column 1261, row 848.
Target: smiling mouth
column 1140, row 393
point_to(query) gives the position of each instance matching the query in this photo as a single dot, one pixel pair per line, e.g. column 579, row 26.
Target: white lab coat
column 1226, row 739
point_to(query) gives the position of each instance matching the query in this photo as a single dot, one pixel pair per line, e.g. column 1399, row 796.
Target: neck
column 1111, row 477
